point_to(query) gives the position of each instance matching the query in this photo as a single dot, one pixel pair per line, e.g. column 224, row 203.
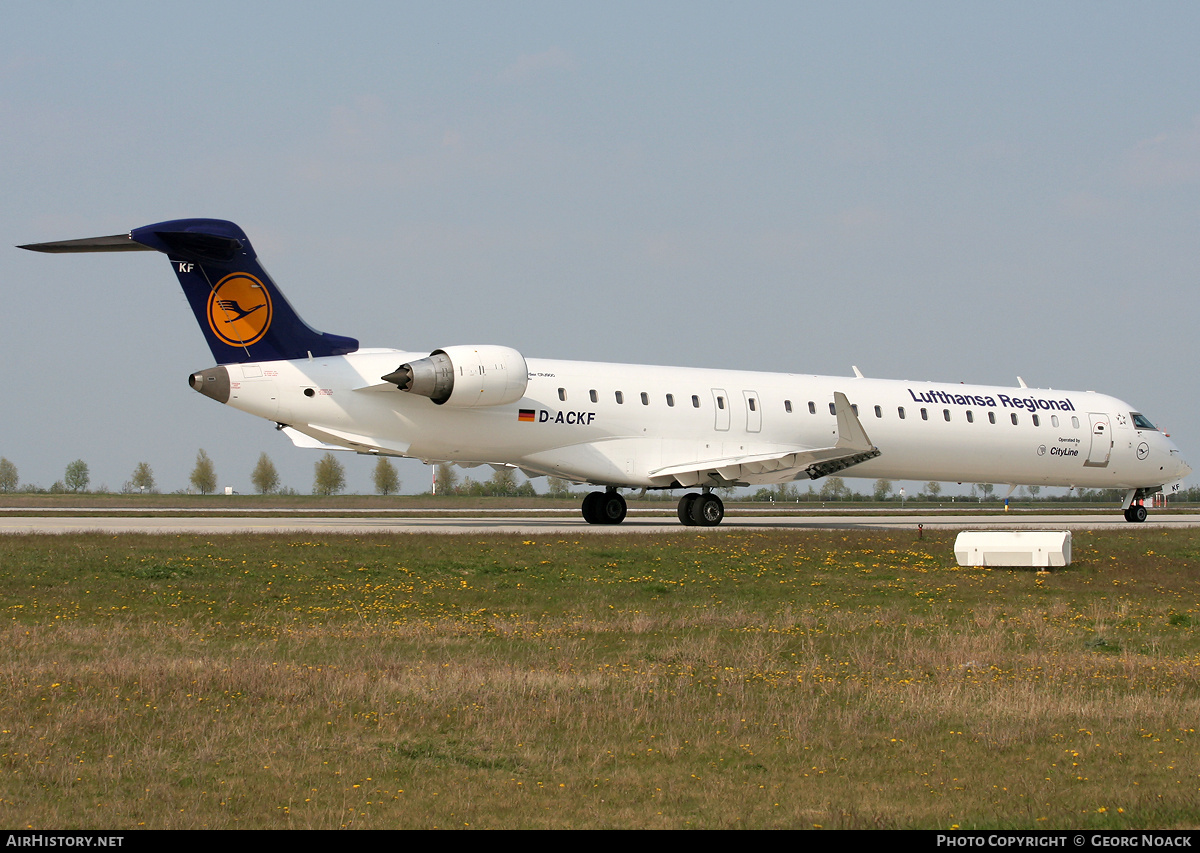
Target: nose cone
column 213, row 382
column 1175, row 468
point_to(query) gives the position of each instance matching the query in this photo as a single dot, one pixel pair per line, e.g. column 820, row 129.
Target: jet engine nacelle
column 466, row 376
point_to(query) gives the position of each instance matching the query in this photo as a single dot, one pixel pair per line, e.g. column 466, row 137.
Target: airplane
column 629, row 426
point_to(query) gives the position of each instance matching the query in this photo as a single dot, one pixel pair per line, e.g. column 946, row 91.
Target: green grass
column 732, row 679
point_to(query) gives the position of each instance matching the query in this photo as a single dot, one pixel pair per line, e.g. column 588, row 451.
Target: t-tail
column 243, row 315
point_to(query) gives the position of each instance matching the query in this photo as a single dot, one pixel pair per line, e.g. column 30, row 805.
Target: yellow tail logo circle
column 239, row 309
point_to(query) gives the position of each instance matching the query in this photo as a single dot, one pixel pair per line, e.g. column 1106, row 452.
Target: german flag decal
column 526, row 415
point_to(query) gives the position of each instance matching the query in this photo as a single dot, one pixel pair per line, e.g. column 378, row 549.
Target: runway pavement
column 564, row 525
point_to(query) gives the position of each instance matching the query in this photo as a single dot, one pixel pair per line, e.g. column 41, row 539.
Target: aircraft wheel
column 685, row 508
column 1137, row 514
column 707, row 510
column 612, row 507
column 592, row 509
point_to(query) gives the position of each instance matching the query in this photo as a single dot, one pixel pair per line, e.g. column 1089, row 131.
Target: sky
column 931, row 191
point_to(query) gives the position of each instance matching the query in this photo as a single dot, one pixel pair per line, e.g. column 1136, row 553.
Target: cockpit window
column 1140, row 421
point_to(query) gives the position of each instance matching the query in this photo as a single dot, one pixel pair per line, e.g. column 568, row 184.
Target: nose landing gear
column 1136, row 513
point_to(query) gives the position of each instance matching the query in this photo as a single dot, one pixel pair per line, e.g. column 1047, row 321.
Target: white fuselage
column 619, row 424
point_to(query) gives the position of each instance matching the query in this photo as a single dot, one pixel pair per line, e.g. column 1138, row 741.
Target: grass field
column 778, row 679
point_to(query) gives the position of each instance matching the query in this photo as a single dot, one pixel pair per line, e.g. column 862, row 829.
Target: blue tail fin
column 243, row 315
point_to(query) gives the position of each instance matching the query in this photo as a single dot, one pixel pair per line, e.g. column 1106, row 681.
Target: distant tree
column 330, row 476
column 142, row 479
column 784, row 493
column 558, row 487
column 526, row 490
column 264, row 477
column 446, row 478
column 503, row 483
column 1034, row 491
column 987, row 489
column 77, row 477
column 933, row 489
column 8, row 476
column 386, row 481
column 204, row 475
column 883, row 488
column 835, row 489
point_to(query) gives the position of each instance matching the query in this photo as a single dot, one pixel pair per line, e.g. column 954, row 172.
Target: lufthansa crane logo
column 239, row 309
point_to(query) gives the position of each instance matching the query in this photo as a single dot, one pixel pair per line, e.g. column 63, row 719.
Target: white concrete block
column 1037, row 548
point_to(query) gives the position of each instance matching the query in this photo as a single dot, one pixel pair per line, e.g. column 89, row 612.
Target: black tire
column 707, row 510
column 1137, row 514
column 592, row 509
column 685, row 508
column 612, row 508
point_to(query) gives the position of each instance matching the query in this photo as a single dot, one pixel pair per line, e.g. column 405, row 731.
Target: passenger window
column 620, row 398
column 812, row 407
column 832, row 410
column 671, row 400
column 720, row 402
column 946, row 415
column 900, row 412
column 1036, row 421
column 1054, row 420
column 695, row 402
column 592, row 394
column 854, row 407
column 991, row 417
column 1074, row 422
column 562, row 393
column 878, row 412
column 1014, row 418
column 924, row 414
column 787, row 406
column 753, row 404
column 970, row 416
column 645, row 399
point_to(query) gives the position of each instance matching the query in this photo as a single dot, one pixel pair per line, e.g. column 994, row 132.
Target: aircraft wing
column 853, row 446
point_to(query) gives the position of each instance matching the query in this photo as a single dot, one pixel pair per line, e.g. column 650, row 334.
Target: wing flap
column 853, row 446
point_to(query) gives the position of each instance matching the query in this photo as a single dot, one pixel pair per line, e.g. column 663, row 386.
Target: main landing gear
column 705, row 510
column 695, row 510
column 1136, row 513
column 606, row 507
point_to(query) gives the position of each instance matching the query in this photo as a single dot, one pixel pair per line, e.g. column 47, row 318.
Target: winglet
column 851, row 434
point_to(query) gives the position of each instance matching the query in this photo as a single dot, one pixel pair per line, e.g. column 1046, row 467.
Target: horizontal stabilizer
column 115, row 243
column 308, row 442
column 327, row 438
